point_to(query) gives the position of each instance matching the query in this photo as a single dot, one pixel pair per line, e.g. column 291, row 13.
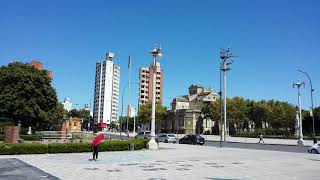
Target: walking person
column 261, row 138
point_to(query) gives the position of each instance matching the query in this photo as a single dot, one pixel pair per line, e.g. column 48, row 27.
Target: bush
column 139, row 143
column 1, row 137
column 23, row 149
column 29, row 137
column 267, row 132
column 69, row 147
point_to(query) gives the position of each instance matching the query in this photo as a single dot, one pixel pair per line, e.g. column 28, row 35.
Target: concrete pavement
column 176, row 161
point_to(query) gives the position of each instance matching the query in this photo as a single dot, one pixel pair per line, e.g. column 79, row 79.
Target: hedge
column 69, row 147
column 23, row 149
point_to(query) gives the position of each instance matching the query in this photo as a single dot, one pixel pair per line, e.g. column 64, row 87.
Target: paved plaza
column 175, row 161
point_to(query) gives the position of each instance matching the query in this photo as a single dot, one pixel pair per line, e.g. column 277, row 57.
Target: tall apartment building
column 145, row 84
column 106, row 92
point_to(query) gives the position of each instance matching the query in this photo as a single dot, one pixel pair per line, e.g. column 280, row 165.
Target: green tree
column 26, row 94
column 55, row 120
column 236, row 112
column 212, row 110
column 73, row 113
column 145, row 113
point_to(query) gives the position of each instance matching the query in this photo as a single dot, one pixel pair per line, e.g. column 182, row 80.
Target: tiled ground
column 174, row 161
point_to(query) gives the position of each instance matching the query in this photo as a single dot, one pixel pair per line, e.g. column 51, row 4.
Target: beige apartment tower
column 145, row 84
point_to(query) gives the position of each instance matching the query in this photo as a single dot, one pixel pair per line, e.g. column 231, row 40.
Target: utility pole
column 226, row 58
column 298, row 84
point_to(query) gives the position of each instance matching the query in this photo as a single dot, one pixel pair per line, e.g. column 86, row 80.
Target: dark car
column 146, row 135
column 192, row 139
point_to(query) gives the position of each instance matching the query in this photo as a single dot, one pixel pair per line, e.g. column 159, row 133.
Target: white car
column 315, row 149
column 167, row 138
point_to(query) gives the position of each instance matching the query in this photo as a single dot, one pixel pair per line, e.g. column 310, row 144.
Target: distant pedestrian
column 95, row 152
column 261, row 138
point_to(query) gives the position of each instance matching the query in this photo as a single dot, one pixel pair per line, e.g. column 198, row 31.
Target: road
column 270, row 147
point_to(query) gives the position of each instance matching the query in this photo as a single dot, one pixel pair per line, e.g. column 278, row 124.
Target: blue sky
column 272, row 39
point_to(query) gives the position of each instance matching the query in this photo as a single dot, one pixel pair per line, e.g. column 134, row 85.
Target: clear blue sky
column 273, row 39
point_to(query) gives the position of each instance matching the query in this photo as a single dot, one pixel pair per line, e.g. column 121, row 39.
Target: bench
column 54, row 135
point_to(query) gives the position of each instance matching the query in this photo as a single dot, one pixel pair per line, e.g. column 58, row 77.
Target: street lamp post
column 124, row 88
column 129, row 105
column 152, row 144
column 226, row 57
column 220, row 94
column 299, row 84
column 134, row 121
column 311, row 112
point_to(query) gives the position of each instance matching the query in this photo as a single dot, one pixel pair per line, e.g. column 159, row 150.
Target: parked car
column 192, row 139
column 167, row 138
column 315, row 149
column 145, row 135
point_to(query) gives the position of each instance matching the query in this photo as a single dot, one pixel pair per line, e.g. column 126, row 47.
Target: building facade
column 185, row 115
column 39, row 66
column 131, row 111
column 145, row 84
column 67, row 105
column 106, row 92
column 73, row 124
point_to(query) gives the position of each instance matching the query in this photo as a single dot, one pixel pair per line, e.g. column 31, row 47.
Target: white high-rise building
column 67, row 105
column 106, row 92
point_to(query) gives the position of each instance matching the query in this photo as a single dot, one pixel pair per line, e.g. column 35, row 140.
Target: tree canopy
column 145, row 113
column 26, row 95
column 241, row 112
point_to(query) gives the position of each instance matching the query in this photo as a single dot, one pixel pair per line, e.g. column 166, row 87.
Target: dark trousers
column 95, row 152
column 261, row 140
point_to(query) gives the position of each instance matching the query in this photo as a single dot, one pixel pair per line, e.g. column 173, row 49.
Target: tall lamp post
column 226, row 58
column 152, row 144
column 298, row 84
column 124, row 88
column 311, row 112
column 129, row 105
column 220, row 123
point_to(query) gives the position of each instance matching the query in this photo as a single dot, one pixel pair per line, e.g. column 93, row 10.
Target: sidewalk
column 256, row 140
column 238, row 139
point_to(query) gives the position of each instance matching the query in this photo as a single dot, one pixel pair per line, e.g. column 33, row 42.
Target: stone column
column 11, row 134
